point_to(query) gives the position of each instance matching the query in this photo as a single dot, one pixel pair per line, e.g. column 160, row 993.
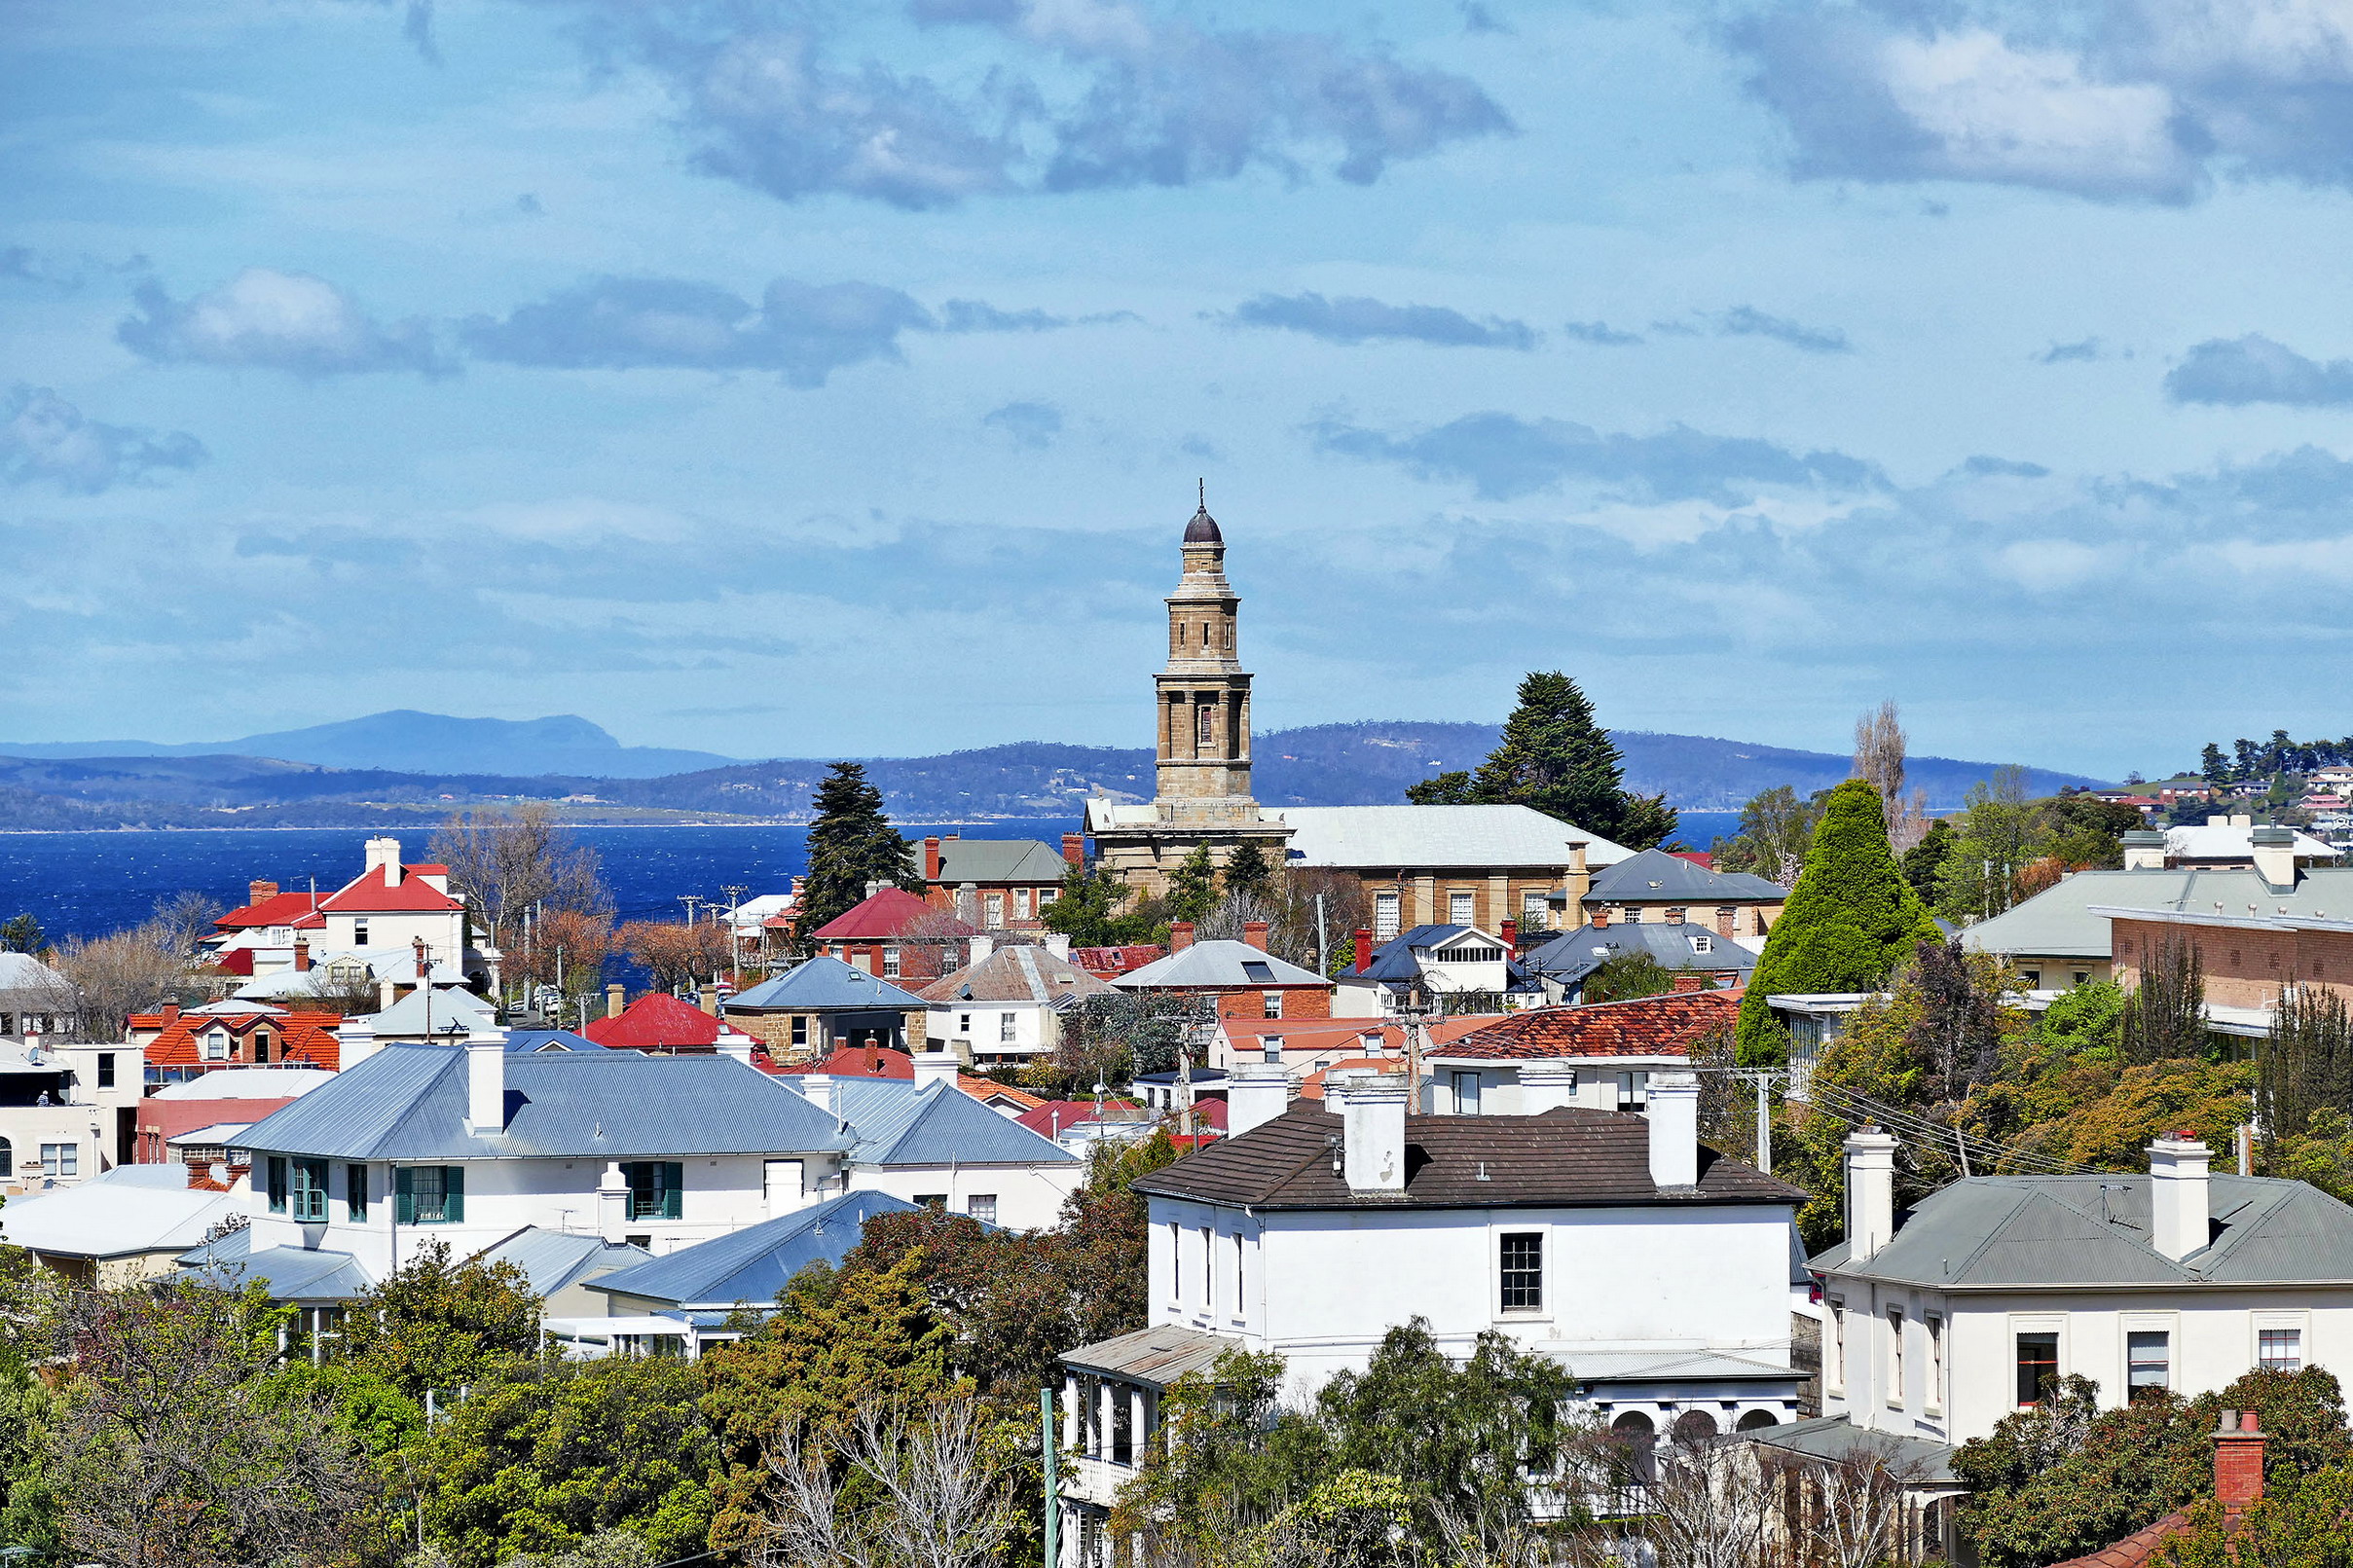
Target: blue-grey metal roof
column 1834, row 1437
column 1654, row 875
column 752, row 1264
column 548, row 1039
column 825, row 982
column 551, row 1260
column 999, row 860
column 1218, row 964
column 408, row 1101
column 1394, row 961
column 2072, row 1231
column 894, row 1122
column 1571, row 956
column 2058, row 921
column 289, row 1274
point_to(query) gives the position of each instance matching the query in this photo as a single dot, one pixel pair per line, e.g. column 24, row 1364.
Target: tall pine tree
column 1192, row 887
column 1247, row 871
column 1850, row 920
column 851, row 844
column 1557, row 758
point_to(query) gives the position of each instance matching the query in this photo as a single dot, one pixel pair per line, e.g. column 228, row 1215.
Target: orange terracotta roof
column 1345, row 1034
column 2134, row 1550
column 1312, row 1086
column 1647, row 1025
column 655, row 1021
column 308, row 1037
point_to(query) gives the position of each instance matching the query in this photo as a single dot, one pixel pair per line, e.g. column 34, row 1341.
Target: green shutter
column 454, row 1211
column 404, row 1196
column 674, row 1178
column 277, row 1172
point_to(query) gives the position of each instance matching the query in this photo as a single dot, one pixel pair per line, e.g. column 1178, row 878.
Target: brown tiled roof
column 2134, row 1550
column 1565, row 1158
column 1015, row 974
column 1647, row 1025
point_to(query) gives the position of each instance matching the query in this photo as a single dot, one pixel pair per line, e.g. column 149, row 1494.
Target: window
column 1238, row 1297
column 429, row 1194
column 1461, row 909
column 2038, row 1364
column 992, row 907
column 1834, row 1363
column 274, row 1175
column 890, row 963
column 1176, row 1263
column 309, row 1201
column 1674, row 917
column 1895, row 1357
column 2032, row 979
column 1702, row 943
column 216, row 1045
column 1634, row 1091
column 932, row 1200
column 1384, row 916
column 964, row 1026
column 1466, row 1094
column 8, row 1157
column 359, row 934
column 106, row 1069
column 1532, row 914
column 60, row 1159
column 1005, row 1027
column 653, row 1188
column 1272, row 1002
column 1632, row 913
column 801, row 1031
column 2148, row 1360
column 1206, row 724
column 982, row 1206
column 1523, row 1272
column 2082, row 975
column 1934, row 1393
column 1208, row 1273
column 2276, row 1350
column 1021, row 904
column 1046, row 895
column 355, row 1193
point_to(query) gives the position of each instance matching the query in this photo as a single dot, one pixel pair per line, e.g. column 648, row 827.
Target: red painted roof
column 1647, row 1025
column 1345, row 1034
column 1106, row 963
column 655, row 1021
column 1699, row 858
column 889, row 913
column 1048, row 1118
column 882, row 1062
column 279, row 909
column 367, row 895
column 308, row 1037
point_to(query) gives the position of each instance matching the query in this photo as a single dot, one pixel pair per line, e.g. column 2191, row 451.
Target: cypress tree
column 1850, row 920
column 1555, row 757
column 2166, row 1016
column 1247, row 871
column 2306, row 1063
column 851, row 844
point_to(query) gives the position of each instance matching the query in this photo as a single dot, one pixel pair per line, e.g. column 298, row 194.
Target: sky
column 803, row 378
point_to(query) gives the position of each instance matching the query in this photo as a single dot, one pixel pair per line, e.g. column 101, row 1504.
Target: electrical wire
column 1846, row 1106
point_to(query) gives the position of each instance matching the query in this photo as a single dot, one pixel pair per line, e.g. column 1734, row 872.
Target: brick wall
column 2245, row 965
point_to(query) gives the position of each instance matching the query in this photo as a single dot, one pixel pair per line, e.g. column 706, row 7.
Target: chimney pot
column 2179, row 1204
column 1256, row 1093
column 1180, row 935
column 1373, row 1134
column 1673, row 1109
column 1364, row 948
column 1870, row 1190
column 1254, row 932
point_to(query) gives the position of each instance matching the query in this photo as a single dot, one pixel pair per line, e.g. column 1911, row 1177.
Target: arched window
column 8, row 1157
column 1637, row 1436
column 1759, row 1420
column 1694, row 1426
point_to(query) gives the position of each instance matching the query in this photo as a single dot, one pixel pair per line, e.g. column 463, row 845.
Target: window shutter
column 404, row 1196
column 455, row 1211
column 673, row 1176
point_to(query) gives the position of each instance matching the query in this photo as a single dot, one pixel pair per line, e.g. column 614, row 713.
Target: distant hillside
column 1325, row 764
column 406, row 741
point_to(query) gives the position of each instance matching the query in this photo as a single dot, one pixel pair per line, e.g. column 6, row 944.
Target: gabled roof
column 1564, row 1158
column 1033, row 974
column 288, row 1273
column 409, row 1102
column 414, row 1014
column 547, row 1039
column 128, row 1210
column 1153, row 1357
column 370, row 893
column 896, row 1123
column 1351, row 1035
column 655, row 1021
column 1106, row 963
column 1571, row 956
column 1374, row 837
column 753, row 1264
column 883, row 1062
column 891, row 912
column 822, row 983
column 1213, row 964
column 552, row 1260
column 1646, row 1026
column 1655, row 876
column 2204, row 841
column 279, row 909
column 999, row 860
column 2067, row 1230
column 303, row 1037
column 1399, row 959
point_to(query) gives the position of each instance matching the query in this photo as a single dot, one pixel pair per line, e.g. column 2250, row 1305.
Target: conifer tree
column 851, row 844
column 2165, row 1016
column 1850, row 920
column 2307, row 1065
column 1193, row 890
column 1247, row 871
column 1556, row 757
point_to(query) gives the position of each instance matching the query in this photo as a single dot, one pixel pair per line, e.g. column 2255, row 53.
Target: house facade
column 997, row 883
column 1608, row 1054
column 1450, row 967
column 825, row 1005
column 1005, row 1008
column 1656, row 887
column 1237, row 979
column 894, row 935
column 1562, row 966
column 1455, row 865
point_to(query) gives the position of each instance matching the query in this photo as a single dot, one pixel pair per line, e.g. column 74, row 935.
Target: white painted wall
column 1037, row 1029
column 1029, row 1197
column 1498, row 1082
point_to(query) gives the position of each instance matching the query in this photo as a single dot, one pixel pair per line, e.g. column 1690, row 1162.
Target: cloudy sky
column 781, row 378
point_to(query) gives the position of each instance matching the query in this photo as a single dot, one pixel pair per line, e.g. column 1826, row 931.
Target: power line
column 1845, row 1105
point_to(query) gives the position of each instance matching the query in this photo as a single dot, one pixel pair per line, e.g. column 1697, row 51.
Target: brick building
column 997, row 883
column 1244, row 979
column 896, row 934
column 184, row 1043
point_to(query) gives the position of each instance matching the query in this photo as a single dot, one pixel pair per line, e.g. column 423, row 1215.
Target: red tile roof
column 308, row 1037
column 367, row 894
column 2134, row 1550
column 1109, row 962
column 1312, row 1086
column 279, row 909
column 1647, row 1025
column 1048, row 1118
column 882, row 1062
column 889, row 913
column 655, row 1021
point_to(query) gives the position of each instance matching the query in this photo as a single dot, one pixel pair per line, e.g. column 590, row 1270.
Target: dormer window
column 1702, row 944
column 216, row 1045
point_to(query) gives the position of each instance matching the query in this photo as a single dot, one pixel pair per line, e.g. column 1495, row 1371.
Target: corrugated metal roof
column 2058, row 921
column 1153, row 1357
column 409, row 1101
column 247, row 1083
column 552, row 1260
column 1589, row 1366
column 1655, row 874
column 1573, row 955
column 129, row 1209
column 1015, row 974
column 897, row 1124
column 1835, row 1437
column 1378, row 836
column 1217, row 964
column 999, row 860
column 548, row 1039
column 751, row 1265
column 289, row 1274
column 823, row 982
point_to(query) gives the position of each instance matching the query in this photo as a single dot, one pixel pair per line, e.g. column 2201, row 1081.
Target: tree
column 2165, row 1016
column 431, row 1324
column 1555, row 757
column 2306, row 1064
column 21, row 933
column 1247, row 873
column 1777, row 829
column 1879, row 745
column 1624, row 976
column 565, row 948
column 507, row 864
column 678, row 954
column 1192, row 887
column 183, row 921
column 911, row 1486
column 2213, row 767
column 1850, row 918
column 1090, row 910
column 1998, row 833
column 2308, row 1522
column 851, row 844
column 1924, row 862
column 108, row 978
column 2085, row 832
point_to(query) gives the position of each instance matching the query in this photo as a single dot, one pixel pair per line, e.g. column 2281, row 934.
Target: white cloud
column 289, row 321
column 45, row 438
column 1994, row 112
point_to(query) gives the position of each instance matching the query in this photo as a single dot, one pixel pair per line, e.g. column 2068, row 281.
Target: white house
column 1006, row 1006
column 1656, row 1270
column 2180, row 1279
column 1430, row 965
column 1605, row 1054
column 67, row 1111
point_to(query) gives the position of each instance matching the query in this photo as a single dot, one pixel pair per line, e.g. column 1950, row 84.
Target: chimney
column 1870, row 1190
column 736, row 1045
column 256, row 891
column 1600, row 917
column 875, row 885
column 385, row 854
column 708, row 999
column 1256, row 1093
column 1509, row 931
column 1180, row 935
column 978, row 948
column 485, row 1081
column 2242, row 821
column 2275, row 856
column 1058, row 944
column 1687, row 980
column 818, row 1089
column 1364, row 948
column 613, row 1204
column 1372, row 1136
column 2218, row 821
column 1337, row 1080
column 1675, row 1129
column 2144, row 851
column 2238, row 1462
column 612, row 1001
column 302, row 956
column 1723, row 922
column 2178, row 1206
column 1074, row 849
column 935, row 1067
column 1546, row 1086
column 354, row 1042
column 930, row 858
column 1254, row 932
column 425, row 959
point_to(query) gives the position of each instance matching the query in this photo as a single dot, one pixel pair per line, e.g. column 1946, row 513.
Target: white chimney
column 818, row 1089
column 2145, row 850
column 1546, row 1086
column 2242, row 821
column 1256, row 1093
column 383, row 853
column 1675, row 1129
column 1374, row 1135
column 2274, row 851
column 1058, row 944
column 935, row 1067
column 356, row 1042
column 486, row 1081
column 613, row 1204
column 2178, row 1202
column 736, row 1045
column 979, row 947
column 1870, row 1192
column 1337, row 1081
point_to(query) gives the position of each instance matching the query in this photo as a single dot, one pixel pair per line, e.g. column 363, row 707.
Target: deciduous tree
column 434, row 1323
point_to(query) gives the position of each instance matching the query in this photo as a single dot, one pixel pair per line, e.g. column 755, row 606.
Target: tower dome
column 1202, row 530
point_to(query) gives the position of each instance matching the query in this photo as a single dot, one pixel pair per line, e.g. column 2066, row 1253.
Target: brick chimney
column 708, row 999
column 1180, row 935
column 424, row 964
column 302, row 956
column 256, row 891
column 930, row 858
column 2238, row 1461
column 1074, row 849
column 1364, row 948
column 1686, row 980
column 1254, row 932
column 1600, row 917
column 612, row 1001
column 1509, row 931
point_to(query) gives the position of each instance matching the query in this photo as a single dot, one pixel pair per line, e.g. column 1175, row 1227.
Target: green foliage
column 1192, row 887
column 1090, row 910
column 851, row 843
column 2165, row 1015
column 1356, row 1519
column 2307, row 1062
column 2085, row 832
column 548, row 1462
column 1849, row 921
column 21, row 933
column 2308, row 1522
column 1996, row 837
column 1776, row 831
column 1248, row 872
column 1924, row 862
column 1624, row 976
column 1555, row 757
column 2088, row 1017
column 438, row 1325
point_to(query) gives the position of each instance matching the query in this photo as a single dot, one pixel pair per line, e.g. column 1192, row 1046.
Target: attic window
column 1258, row 971
column 1702, row 944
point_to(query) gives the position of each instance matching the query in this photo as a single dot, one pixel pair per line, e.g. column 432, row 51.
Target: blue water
column 90, row 884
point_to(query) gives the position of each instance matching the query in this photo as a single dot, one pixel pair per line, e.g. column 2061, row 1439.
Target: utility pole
column 690, row 899
column 1413, row 1013
column 1323, row 955
column 1764, row 1078
column 1053, row 1441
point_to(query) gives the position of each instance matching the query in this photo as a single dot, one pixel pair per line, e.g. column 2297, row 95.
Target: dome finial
column 1202, row 530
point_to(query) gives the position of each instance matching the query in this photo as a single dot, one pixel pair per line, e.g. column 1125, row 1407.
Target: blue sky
column 821, row 379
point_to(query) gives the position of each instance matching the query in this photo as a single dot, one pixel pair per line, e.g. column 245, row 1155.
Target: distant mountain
column 404, row 739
